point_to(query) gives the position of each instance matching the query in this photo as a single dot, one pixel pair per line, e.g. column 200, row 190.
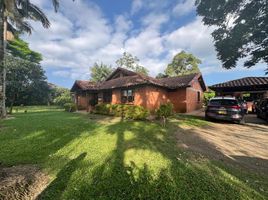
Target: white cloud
column 136, row 6
column 81, row 35
column 184, row 7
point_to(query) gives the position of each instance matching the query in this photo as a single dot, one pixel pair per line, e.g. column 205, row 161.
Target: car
column 225, row 108
column 262, row 109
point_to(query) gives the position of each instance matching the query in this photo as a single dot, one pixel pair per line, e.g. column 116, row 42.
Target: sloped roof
column 134, row 79
column 125, row 71
column 179, row 81
column 84, row 85
column 243, row 82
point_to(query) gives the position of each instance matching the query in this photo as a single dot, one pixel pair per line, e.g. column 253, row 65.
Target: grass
column 95, row 157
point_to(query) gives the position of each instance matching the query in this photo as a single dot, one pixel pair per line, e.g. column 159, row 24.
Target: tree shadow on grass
column 181, row 179
column 58, row 185
column 34, row 137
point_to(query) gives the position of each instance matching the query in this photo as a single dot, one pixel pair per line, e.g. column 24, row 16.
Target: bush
column 124, row 111
column 103, row 108
column 63, row 99
column 208, row 96
column 70, row 107
column 165, row 110
column 136, row 113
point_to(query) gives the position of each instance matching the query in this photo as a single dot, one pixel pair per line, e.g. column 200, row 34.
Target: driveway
column 244, row 145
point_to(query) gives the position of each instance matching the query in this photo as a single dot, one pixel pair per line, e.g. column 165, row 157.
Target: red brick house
column 128, row 87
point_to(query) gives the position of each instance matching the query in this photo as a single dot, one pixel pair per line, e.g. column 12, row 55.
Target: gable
column 119, row 73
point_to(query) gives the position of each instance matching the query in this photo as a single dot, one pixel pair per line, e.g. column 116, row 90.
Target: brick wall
column 178, row 99
column 155, row 96
column 116, row 96
column 192, row 97
column 82, row 101
column 151, row 97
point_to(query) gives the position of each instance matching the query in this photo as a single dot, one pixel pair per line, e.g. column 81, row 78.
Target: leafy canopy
column 99, row 72
column 20, row 48
column 241, row 29
column 26, row 83
column 182, row 64
column 131, row 62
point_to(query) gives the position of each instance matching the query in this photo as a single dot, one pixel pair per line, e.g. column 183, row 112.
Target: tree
column 241, row 29
column 26, row 83
column 131, row 62
column 14, row 13
column 20, row 48
column 183, row 64
column 161, row 75
column 99, row 72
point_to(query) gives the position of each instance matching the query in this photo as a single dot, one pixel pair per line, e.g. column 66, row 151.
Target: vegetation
column 20, row 49
column 70, row 107
column 122, row 110
column 99, row 157
column 99, row 72
column 26, row 83
column 60, row 96
column 131, row 62
column 183, row 64
column 208, row 96
column 164, row 111
column 241, row 30
column 15, row 15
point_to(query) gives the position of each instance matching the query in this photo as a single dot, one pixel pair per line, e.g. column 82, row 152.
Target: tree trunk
column 12, row 104
column 2, row 65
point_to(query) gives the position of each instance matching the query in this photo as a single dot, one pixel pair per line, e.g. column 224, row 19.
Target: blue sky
column 88, row 31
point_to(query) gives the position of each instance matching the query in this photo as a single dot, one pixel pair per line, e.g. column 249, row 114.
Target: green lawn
column 94, row 157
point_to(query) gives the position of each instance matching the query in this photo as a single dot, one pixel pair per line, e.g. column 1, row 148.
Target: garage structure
column 248, row 88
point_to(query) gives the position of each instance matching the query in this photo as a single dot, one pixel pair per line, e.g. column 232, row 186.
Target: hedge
column 124, row 111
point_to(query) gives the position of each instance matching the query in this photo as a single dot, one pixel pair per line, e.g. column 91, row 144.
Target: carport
column 248, row 88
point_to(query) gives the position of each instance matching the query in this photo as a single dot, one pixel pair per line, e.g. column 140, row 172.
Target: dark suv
column 262, row 109
column 225, row 108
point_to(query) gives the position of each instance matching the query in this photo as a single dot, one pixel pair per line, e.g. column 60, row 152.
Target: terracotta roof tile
column 134, row 79
column 247, row 81
column 179, row 81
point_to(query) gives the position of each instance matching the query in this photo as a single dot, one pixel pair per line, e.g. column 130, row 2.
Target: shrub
column 63, row 99
column 136, row 113
column 70, row 107
column 121, row 110
column 164, row 111
column 208, row 96
column 103, row 109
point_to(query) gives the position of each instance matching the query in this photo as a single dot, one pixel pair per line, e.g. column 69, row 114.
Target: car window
column 223, row 102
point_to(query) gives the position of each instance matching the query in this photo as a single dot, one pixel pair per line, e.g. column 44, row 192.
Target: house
column 127, row 87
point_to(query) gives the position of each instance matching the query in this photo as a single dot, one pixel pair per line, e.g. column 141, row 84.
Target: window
column 127, row 96
column 198, row 96
column 107, row 97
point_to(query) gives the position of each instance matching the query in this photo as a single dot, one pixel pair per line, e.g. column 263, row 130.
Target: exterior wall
column 116, row 96
column 178, row 99
column 192, row 97
column 151, row 97
column 154, row 97
column 140, row 96
column 148, row 96
column 82, row 101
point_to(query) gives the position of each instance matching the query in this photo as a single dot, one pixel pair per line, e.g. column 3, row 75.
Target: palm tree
column 14, row 14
